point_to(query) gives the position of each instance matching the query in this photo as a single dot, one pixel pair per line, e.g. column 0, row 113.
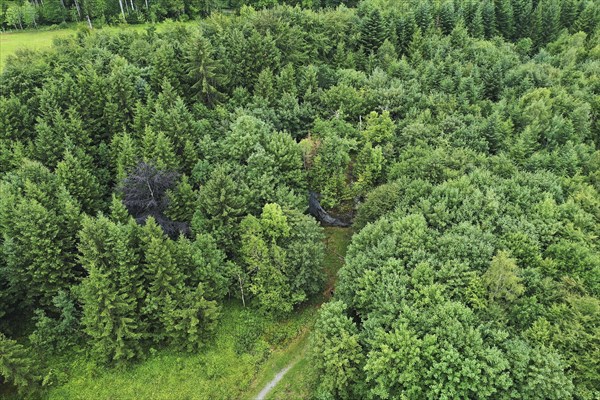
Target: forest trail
column 290, row 381
column 265, row 391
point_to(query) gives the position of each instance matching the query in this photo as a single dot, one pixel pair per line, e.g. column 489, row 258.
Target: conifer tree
column 447, row 17
column 17, row 365
column 372, row 31
column 405, row 28
column 286, row 81
column 112, row 292
column 505, row 18
column 264, row 86
column 157, row 149
column 164, row 280
column 55, row 134
column 367, row 169
column 379, row 128
column 221, row 207
column 118, row 212
column 203, row 72
column 522, row 10
column 109, row 317
column 546, row 22
column 423, row 15
column 163, row 70
column 80, row 182
column 183, row 201
column 125, row 155
column 568, row 13
column 38, row 246
column 488, row 14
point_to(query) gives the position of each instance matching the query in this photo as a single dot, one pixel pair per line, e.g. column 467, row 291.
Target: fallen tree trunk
column 315, row 209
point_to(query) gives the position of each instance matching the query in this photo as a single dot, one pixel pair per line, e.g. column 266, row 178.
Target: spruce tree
column 157, row 149
column 17, row 365
column 522, row 10
column 423, row 15
column 488, row 15
column 114, row 289
column 372, row 31
column 367, row 169
column 183, row 201
column 124, row 155
column 447, row 17
column 203, row 72
column 164, row 280
column 221, row 207
column 505, row 18
column 568, row 14
column 80, row 182
column 109, row 317
column 264, row 86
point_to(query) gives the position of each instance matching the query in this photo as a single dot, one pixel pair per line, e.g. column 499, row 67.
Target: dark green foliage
column 220, row 209
column 58, row 330
column 17, row 366
column 372, row 31
column 40, row 221
column 459, row 136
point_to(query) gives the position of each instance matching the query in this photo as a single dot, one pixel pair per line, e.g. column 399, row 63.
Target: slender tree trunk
column 89, row 22
column 78, row 9
column 122, row 11
column 146, row 4
column 132, row 7
column 242, row 290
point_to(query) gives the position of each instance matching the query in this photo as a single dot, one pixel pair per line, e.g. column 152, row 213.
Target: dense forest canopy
column 147, row 177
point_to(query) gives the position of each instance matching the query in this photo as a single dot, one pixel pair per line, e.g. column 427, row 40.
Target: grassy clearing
column 245, row 354
column 245, row 345
column 43, row 39
column 33, row 40
column 336, row 244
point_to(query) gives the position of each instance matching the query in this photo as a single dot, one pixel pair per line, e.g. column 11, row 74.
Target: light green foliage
column 368, row 168
column 281, row 254
column 157, row 149
column 125, row 155
column 329, row 160
column 379, row 129
column 502, row 280
column 336, row 351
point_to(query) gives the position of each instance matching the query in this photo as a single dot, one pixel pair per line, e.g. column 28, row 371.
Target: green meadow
column 11, row 42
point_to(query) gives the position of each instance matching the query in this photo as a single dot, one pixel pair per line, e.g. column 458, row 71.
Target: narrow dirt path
column 263, row 393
